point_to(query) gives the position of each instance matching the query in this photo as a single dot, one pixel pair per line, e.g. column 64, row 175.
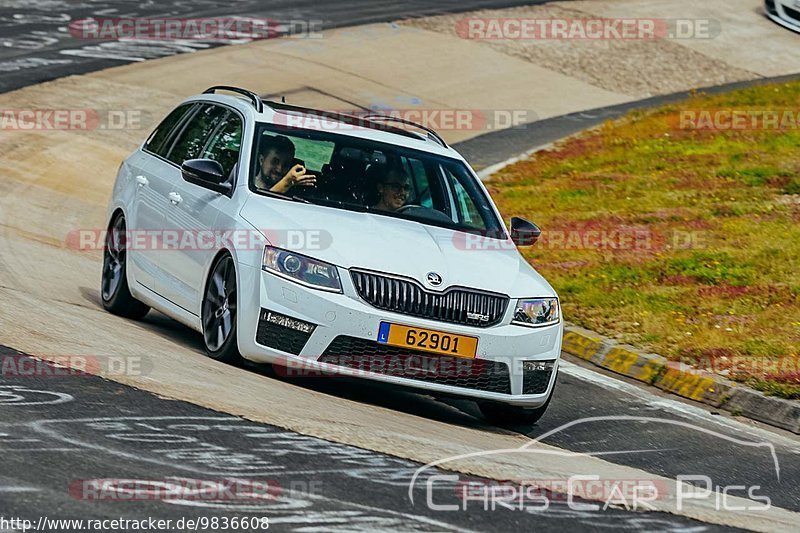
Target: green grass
column 711, row 266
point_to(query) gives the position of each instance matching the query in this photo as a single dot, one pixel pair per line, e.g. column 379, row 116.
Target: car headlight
column 301, row 269
column 536, row 312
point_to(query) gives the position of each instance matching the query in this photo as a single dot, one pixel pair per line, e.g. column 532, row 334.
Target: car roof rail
column 388, row 118
column 342, row 117
column 253, row 97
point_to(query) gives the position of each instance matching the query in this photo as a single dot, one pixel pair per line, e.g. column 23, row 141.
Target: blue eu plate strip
column 383, row 333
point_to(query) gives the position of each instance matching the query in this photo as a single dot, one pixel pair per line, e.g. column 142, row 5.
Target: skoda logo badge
column 434, row 279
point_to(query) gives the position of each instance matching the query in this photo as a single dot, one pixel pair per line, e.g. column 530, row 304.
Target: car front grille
column 457, row 305
column 369, row 356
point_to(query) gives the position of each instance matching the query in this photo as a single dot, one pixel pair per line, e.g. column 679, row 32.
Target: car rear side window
column 195, row 134
column 158, row 143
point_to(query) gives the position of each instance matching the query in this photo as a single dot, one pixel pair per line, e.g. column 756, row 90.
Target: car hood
column 403, row 247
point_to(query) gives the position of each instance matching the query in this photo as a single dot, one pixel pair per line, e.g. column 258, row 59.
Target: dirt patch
column 638, row 68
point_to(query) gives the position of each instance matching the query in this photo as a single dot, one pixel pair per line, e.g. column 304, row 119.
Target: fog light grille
column 282, row 332
column 536, row 376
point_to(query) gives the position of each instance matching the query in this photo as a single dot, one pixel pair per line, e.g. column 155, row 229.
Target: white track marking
column 679, row 408
column 14, row 395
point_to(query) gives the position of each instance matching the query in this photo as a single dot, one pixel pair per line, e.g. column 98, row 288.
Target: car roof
column 381, row 128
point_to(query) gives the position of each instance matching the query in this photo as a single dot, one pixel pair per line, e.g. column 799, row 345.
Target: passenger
column 393, row 189
column 275, row 172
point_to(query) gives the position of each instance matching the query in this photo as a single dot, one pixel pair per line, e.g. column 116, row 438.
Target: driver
column 275, row 170
column 393, row 190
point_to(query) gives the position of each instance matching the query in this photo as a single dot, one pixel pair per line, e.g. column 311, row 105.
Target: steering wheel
column 424, row 213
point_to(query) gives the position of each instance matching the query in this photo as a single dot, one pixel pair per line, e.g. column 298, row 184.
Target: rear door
column 146, row 217
column 192, row 210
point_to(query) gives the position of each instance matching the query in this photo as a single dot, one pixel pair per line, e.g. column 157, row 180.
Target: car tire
column 114, row 290
column 504, row 415
column 218, row 314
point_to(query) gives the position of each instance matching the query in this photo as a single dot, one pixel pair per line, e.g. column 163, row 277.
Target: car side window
column 225, row 143
column 158, row 143
column 467, row 212
column 415, row 169
column 195, row 134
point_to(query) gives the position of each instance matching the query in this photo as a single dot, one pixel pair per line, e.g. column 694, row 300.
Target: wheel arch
column 222, row 253
column 118, row 210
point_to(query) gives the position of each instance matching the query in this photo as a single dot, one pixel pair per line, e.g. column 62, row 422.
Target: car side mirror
column 206, row 173
column 524, row 233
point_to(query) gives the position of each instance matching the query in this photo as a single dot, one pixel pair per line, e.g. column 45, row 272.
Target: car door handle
column 142, row 181
column 175, row 198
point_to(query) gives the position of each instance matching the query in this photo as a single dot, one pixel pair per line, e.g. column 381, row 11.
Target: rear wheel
column 115, row 293
column 219, row 312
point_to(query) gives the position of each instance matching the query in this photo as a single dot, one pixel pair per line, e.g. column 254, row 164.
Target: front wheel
column 114, row 290
column 219, row 312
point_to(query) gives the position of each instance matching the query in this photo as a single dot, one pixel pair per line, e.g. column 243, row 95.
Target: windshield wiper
column 338, row 203
column 328, row 202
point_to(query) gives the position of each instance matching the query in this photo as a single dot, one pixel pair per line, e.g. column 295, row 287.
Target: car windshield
column 360, row 175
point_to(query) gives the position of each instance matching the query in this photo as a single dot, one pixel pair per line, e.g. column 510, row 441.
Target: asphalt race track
column 56, row 432
column 60, row 431
column 36, row 44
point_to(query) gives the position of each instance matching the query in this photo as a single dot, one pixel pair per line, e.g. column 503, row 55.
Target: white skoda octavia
column 332, row 245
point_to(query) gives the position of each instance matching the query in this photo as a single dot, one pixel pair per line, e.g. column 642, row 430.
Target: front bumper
column 342, row 317
column 786, row 14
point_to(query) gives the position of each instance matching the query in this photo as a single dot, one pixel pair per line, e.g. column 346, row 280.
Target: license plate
column 428, row 340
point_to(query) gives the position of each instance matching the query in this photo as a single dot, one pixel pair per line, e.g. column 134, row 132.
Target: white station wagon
column 329, row 244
